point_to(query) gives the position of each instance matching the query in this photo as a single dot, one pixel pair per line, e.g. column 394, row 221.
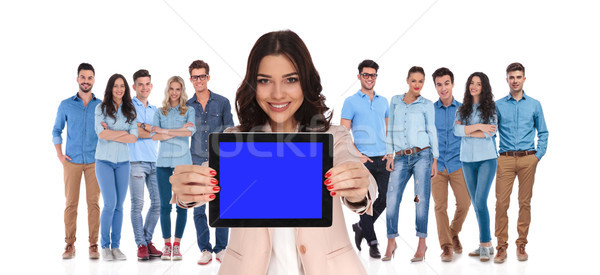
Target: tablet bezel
column 326, row 139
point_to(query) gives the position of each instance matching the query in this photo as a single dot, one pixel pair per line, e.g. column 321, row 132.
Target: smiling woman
column 281, row 92
column 115, row 125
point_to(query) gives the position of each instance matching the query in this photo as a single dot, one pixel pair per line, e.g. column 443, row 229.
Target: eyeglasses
column 366, row 76
column 199, row 77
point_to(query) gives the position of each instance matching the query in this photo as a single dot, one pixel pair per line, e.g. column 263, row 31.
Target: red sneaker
column 167, row 251
column 142, row 253
column 153, row 251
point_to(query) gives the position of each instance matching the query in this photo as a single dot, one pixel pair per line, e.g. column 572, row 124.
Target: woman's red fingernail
column 332, row 194
column 214, row 181
column 328, row 174
column 327, row 181
column 330, row 187
column 216, row 188
column 213, row 172
column 212, row 196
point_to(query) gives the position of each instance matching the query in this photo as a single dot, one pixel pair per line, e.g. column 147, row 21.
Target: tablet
column 271, row 179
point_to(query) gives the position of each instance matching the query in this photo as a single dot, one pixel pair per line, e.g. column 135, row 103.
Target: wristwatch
column 143, row 126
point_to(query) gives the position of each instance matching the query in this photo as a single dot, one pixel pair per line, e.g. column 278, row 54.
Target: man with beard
column 213, row 115
column 79, row 158
column 366, row 114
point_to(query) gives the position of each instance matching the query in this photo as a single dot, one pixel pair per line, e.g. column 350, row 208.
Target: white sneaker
column 107, row 254
column 220, row 256
column 118, row 255
column 205, row 258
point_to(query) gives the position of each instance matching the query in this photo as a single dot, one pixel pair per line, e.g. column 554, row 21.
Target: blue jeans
column 478, row 177
column 113, row 179
column 419, row 166
column 203, row 232
column 143, row 173
column 165, row 192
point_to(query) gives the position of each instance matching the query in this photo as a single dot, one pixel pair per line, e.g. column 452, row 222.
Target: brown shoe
column 456, row 245
column 69, row 251
column 501, row 255
column 447, row 254
column 521, row 254
column 94, row 252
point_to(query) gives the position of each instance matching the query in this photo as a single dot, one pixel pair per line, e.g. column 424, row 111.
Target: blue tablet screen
column 271, row 180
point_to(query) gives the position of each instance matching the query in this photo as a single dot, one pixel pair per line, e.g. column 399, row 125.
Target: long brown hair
column 107, row 105
column 311, row 114
column 487, row 107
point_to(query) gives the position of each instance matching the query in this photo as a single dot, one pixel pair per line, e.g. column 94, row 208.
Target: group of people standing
column 435, row 143
column 114, row 143
column 447, row 143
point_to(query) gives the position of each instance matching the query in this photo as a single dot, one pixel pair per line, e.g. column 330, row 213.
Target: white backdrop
column 43, row 42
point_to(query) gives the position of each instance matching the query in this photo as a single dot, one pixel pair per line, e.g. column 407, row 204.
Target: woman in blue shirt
column 115, row 125
column 476, row 123
column 173, row 125
column 412, row 150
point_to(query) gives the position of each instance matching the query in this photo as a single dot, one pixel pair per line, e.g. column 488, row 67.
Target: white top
column 284, row 254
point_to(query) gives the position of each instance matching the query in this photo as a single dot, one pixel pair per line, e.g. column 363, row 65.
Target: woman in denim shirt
column 173, row 125
column 476, row 123
column 115, row 125
column 412, row 150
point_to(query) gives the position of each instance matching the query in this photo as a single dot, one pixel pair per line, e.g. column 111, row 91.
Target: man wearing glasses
column 366, row 115
column 213, row 114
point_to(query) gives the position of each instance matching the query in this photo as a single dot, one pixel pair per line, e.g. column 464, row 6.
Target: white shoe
column 118, row 255
column 107, row 254
column 205, row 258
column 220, row 256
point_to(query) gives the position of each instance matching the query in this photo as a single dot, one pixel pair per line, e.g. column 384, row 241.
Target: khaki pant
column 509, row 167
column 73, row 173
column 439, row 191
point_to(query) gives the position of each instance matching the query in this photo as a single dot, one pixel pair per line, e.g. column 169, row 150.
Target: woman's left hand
column 349, row 180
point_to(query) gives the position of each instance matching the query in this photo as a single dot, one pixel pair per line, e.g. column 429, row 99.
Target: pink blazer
column 322, row 250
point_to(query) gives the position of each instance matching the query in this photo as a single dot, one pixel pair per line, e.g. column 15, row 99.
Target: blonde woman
column 173, row 125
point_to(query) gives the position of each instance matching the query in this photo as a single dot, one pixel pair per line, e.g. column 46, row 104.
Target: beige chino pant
column 508, row 168
column 73, row 172
column 439, row 191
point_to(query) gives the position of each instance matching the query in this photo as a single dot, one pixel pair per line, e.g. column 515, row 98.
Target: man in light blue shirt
column 366, row 114
column 519, row 117
column 77, row 113
column 449, row 168
column 142, row 156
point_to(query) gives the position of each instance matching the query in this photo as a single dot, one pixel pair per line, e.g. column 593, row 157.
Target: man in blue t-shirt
column 449, row 168
column 142, row 155
column 366, row 115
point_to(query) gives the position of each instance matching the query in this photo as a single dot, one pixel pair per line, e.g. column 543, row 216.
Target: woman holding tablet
column 281, row 92
column 115, row 125
column 476, row 122
column 173, row 125
column 412, row 149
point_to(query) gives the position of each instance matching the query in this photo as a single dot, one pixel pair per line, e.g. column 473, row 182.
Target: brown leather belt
column 410, row 151
column 518, row 153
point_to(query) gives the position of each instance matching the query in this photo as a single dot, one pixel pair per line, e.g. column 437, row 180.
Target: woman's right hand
column 194, row 183
column 389, row 165
column 487, row 128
